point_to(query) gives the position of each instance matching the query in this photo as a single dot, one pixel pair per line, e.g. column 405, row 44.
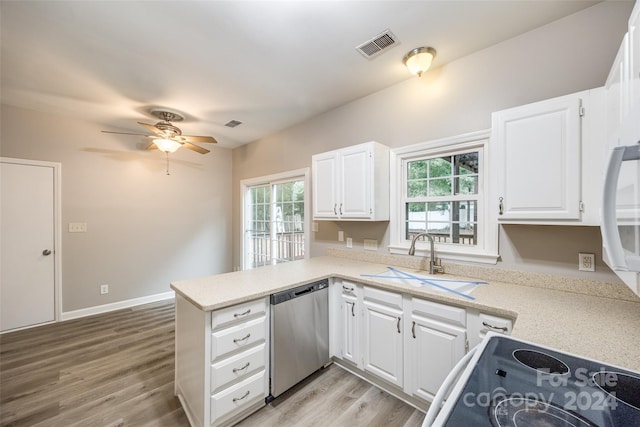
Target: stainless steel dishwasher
column 299, row 334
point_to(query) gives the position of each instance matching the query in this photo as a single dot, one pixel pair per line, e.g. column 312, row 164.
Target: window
column 442, row 197
column 439, row 188
column 275, row 219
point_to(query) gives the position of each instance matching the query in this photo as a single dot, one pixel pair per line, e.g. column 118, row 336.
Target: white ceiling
column 268, row 64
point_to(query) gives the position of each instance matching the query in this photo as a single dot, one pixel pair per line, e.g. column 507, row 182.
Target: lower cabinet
column 435, row 342
column 382, row 329
column 221, row 361
column 403, row 344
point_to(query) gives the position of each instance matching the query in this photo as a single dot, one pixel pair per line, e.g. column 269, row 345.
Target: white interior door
column 27, row 222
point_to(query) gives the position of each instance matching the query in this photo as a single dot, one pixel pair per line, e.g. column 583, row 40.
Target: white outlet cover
column 586, row 262
column 349, row 242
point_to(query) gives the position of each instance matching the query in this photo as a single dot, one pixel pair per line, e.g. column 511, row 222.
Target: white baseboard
column 90, row 311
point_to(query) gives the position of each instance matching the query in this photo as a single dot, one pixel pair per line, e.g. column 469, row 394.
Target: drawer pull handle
column 237, row 340
column 344, row 288
column 413, row 329
column 236, row 370
column 340, row 209
column 335, row 205
column 504, row 329
column 399, row 324
column 353, row 309
column 235, row 399
column 236, row 315
column 500, row 206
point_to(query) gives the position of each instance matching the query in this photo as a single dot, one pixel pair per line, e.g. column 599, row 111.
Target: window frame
column 486, row 249
column 271, row 180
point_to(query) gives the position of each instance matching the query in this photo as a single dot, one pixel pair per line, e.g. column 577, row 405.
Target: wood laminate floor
column 116, row 369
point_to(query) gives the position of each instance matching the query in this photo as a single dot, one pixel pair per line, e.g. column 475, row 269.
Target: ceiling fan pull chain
column 167, row 153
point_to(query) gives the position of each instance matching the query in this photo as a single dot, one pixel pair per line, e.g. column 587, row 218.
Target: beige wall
column 145, row 228
column 567, row 56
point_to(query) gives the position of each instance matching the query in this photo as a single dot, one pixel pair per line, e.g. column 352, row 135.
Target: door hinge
column 581, row 206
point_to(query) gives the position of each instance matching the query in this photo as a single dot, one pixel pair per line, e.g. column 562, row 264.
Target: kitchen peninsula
column 604, row 327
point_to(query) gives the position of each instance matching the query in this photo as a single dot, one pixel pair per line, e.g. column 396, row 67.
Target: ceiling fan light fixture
column 166, row 145
column 419, row 60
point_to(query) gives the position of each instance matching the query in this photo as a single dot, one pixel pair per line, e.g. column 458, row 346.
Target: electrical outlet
column 586, row 262
column 104, row 289
column 349, row 242
column 314, row 227
column 340, row 236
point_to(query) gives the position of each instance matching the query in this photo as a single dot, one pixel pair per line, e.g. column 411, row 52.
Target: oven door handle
column 446, row 386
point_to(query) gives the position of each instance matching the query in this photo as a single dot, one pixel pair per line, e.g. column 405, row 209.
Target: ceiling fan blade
column 152, row 128
column 125, row 133
column 194, row 138
column 151, row 146
column 193, row 147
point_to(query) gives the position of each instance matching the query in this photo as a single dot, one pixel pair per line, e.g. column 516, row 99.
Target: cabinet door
column 383, row 350
column 616, row 92
column 634, row 55
column 325, row 197
column 538, row 160
column 434, row 349
column 350, row 329
column 355, row 182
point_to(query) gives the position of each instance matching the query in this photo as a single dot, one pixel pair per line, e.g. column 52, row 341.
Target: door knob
column 46, row 252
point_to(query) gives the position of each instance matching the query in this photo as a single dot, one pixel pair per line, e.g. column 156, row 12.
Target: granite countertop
column 601, row 328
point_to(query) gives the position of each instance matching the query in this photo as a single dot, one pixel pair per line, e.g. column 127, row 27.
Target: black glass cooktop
column 520, row 384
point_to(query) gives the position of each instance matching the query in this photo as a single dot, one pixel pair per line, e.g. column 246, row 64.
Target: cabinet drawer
column 239, row 397
column 434, row 310
column 237, row 337
column 387, row 298
column 494, row 324
column 222, row 317
column 237, row 367
column 348, row 288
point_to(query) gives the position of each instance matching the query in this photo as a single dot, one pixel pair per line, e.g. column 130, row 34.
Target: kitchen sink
column 438, row 282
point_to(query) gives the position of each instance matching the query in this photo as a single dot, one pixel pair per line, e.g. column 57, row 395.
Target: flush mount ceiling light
column 419, row 60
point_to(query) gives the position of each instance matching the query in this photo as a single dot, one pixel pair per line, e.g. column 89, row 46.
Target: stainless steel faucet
column 434, row 267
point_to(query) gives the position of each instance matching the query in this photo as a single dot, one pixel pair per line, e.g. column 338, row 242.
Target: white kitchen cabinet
column 634, row 56
column 221, row 361
column 479, row 323
column 617, row 91
column 352, row 183
column 435, row 341
column 546, row 160
column 382, row 334
column 346, row 319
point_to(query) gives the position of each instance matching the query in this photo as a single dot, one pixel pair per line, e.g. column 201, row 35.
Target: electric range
column 510, row 382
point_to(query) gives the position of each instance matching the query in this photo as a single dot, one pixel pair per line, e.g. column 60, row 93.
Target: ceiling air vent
column 232, row 123
column 376, row 45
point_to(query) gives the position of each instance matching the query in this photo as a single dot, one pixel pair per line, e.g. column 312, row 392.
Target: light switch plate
column 370, row 244
column 77, row 227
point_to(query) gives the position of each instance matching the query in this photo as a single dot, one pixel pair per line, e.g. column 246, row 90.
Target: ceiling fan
column 167, row 137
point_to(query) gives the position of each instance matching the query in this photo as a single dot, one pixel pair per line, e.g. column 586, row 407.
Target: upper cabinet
column 634, row 56
column 545, row 161
column 352, row 183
